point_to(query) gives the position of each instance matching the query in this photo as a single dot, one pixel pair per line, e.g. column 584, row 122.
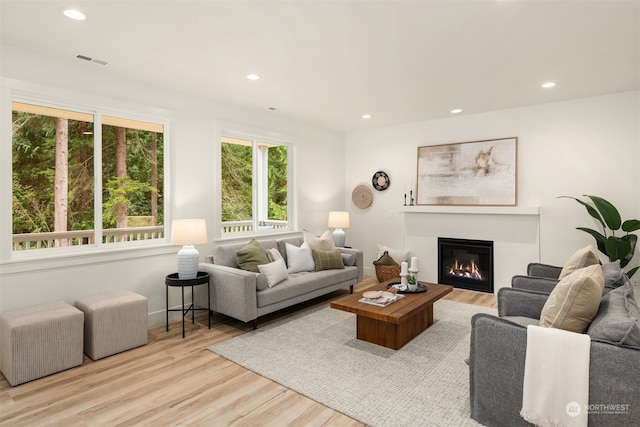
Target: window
column 61, row 156
column 255, row 185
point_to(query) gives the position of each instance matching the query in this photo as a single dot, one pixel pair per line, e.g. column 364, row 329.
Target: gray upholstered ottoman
column 113, row 322
column 40, row 341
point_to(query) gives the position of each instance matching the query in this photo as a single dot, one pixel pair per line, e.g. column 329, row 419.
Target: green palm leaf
column 609, row 212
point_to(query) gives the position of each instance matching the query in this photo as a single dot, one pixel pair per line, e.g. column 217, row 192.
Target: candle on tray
column 414, row 263
column 403, row 267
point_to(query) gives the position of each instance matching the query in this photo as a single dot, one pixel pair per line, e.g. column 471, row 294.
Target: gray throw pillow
column 618, row 318
column 613, row 274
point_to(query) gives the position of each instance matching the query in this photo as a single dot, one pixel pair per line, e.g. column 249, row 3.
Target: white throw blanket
column 556, row 378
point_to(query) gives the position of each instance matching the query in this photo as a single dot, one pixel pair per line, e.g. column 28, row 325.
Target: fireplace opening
column 466, row 264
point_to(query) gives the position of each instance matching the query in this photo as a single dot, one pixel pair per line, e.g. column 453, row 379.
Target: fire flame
column 467, row 271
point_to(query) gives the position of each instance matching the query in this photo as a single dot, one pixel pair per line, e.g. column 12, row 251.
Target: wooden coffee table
column 398, row 323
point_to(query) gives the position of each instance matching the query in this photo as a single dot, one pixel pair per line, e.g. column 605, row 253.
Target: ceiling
column 327, row 63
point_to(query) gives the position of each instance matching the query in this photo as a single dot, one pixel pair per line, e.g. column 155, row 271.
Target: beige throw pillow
column 574, row 301
column 275, row 271
column 580, row 259
column 398, row 255
column 322, row 243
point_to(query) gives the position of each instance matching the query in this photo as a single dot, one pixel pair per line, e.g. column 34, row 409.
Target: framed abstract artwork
column 475, row 173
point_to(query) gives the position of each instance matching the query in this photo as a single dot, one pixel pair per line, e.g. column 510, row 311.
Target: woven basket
column 387, row 272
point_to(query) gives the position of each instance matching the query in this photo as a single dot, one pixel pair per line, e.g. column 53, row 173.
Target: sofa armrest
column 496, row 375
column 518, row 302
column 496, row 370
column 359, row 260
column 543, row 270
column 531, row 283
column 233, row 291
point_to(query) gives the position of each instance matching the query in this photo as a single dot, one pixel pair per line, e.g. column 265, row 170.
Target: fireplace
column 466, row 264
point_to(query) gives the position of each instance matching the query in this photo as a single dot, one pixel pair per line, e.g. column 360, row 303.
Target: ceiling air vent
column 89, row 59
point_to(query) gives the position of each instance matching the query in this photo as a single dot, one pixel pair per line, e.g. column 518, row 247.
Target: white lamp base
column 188, row 259
column 338, row 237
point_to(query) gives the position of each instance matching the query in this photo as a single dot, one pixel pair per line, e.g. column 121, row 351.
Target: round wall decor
column 380, row 181
column 362, row 196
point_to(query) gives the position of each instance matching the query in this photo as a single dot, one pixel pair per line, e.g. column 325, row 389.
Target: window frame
column 98, row 247
column 256, row 136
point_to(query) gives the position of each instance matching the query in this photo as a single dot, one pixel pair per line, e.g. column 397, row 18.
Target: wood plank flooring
column 173, row 381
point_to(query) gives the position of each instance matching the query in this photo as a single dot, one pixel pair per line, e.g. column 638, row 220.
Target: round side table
column 200, row 279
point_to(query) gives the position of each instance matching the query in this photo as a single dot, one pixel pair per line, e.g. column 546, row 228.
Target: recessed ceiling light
column 76, row 15
column 253, row 77
column 456, row 111
column 366, row 116
column 547, row 85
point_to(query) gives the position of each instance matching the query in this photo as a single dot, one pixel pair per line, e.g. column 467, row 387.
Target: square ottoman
column 40, row 341
column 113, row 322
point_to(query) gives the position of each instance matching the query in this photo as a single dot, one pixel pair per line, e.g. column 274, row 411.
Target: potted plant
column 615, row 247
column 412, row 281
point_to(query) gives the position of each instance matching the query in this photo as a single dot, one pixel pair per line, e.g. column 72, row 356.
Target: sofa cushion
column 299, row 258
column 327, row 260
column 574, row 301
column 303, row 283
column 251, row 255
column 618, row 318
column 398, row 255
column 322, row 243
column 275, row 271
column 581, row 258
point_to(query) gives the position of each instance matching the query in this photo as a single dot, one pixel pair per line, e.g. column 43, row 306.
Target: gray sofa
column 498, row 349
column 245, row 296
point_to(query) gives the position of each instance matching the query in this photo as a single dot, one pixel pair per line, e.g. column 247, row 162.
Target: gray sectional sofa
column 244, row 295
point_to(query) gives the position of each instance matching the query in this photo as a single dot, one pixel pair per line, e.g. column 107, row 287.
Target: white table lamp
column 188, row 232
column 338, row 221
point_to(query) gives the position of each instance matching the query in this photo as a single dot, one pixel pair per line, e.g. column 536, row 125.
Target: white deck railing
column 55, row 239
column 29, row 241
column 233, row 227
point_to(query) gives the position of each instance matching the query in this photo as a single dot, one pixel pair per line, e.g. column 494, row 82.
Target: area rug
column 316, row 353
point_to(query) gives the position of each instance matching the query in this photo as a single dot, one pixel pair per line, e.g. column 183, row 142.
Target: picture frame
column 474, row 173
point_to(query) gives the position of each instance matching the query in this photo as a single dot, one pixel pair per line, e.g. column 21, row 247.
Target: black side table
column 201, row 279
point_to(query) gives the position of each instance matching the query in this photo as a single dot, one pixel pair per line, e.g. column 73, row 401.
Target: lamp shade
column 188, row 232
column 338, row 219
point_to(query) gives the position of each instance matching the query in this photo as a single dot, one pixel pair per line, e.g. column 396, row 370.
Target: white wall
column 585, row 146
column 194, row 127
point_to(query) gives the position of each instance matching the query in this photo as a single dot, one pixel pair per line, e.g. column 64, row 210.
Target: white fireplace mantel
column 475, row 210
column 514, row 230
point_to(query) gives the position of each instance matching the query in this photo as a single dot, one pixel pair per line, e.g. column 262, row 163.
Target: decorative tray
column 421, row 288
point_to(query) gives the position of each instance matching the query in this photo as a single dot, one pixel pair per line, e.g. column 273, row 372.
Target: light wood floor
column 174, row 381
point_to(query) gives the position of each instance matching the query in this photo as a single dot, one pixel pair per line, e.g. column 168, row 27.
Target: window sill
column 25, row 262
column 239, row 238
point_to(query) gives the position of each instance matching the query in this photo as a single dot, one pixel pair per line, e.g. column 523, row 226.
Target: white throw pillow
column 322, row 243
column 398, row 255
column 275, row 271
column 299, row 258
